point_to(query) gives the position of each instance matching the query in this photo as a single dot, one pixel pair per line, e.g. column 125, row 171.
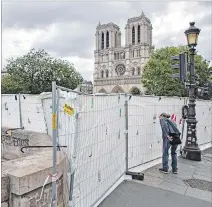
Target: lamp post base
column 192, row 154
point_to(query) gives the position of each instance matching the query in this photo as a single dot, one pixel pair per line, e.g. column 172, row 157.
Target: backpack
column 175, row 135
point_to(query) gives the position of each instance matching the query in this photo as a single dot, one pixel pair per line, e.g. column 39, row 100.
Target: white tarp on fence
column 31, row 109
column 144, row 128
column 98, row 134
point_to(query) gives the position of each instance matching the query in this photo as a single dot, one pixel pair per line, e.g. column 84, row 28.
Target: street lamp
column 192, row 34
column 191, row 149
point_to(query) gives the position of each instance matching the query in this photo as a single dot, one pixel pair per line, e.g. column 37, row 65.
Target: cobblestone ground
column 199, row 183
column 191, row 187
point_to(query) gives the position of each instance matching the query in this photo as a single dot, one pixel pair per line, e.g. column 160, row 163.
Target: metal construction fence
column 106, row 135
column 144, row 129
column 93, row 129
column 23, row 111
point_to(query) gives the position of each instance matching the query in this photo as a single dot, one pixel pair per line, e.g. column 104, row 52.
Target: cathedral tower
column 108, row 37
column 118, row 68
column 138, row 31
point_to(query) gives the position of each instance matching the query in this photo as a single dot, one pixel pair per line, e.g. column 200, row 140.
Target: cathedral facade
column 117, row 68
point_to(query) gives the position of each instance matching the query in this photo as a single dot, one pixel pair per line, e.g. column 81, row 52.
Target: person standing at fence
column 166, row 129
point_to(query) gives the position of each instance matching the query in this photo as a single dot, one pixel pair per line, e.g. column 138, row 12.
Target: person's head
column 164, row 116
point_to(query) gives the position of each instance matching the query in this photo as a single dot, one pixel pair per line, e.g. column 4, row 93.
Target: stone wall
column 25, row 173
column 32, row 199
column 4, row 189
column 13, row 140
column 23, row 178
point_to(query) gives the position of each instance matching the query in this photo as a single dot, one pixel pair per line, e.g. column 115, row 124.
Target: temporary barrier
column 93, row 129
column 106, row 135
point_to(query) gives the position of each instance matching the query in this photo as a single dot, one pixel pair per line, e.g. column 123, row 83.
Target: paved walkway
column 191, row 187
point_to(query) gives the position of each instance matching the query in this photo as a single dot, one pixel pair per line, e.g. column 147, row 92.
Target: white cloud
column 15, row 43
column 75, row 40
column 84, row 66
column 172, row 23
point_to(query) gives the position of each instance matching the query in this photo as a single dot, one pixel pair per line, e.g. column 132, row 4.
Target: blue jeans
column 165, row 157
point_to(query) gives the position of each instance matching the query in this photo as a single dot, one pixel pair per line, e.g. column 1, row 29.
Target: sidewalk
column 191, row 187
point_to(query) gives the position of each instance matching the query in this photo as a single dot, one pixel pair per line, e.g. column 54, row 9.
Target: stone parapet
column 4, row 187
column 13, row 140
column 27, row 175
column 24, row 175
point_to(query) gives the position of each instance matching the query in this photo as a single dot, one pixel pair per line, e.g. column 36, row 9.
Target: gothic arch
column 133, row 35
column 102, row 40
column 116, row 39
column 139, row 33
column 102, row 74
column 133, row 71
column 117, row 89
column 139, row 71
column 107, row 73
column 117, row 55
column 107, row 39
column 134, row 64
column 102, row 91
column 122, row 55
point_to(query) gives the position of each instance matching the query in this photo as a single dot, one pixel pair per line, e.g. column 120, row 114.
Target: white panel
column 32, row 112
column 100, row 142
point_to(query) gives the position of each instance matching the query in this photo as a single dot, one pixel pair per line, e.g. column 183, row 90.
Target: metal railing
column 106, row 135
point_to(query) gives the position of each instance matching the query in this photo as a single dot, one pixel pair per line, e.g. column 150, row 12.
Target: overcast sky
column 67, row 29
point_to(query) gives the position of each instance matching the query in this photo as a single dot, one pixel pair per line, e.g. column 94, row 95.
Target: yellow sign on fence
column 68, row 109
column 54, row 121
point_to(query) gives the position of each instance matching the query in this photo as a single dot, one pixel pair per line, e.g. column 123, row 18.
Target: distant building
column 86, row 87
column 119, row 68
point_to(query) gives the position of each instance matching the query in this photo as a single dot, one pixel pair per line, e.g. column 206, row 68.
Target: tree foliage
column 135, row 91
column 157, row 72
column 35, row 71
column 9, row 85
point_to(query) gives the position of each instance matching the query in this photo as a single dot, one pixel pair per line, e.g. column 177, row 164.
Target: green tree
column 135, row 91
column 205, row 85
column 157, row 72
column 35, row 71
column 9, row 85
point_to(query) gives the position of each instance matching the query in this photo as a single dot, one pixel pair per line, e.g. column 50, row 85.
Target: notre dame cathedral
column 118, row 69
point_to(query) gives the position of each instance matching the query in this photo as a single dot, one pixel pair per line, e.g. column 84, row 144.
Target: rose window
column 120, row 69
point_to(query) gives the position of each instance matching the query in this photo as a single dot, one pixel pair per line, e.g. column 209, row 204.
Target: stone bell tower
column 119, row 68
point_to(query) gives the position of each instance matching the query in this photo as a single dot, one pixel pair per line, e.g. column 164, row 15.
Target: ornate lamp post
column 191, row 149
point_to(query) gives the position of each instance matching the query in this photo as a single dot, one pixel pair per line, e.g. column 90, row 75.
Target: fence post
column 126, row 129
column 20, row 111
column 58, row 105
column 54, row 142
column 75, row 144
